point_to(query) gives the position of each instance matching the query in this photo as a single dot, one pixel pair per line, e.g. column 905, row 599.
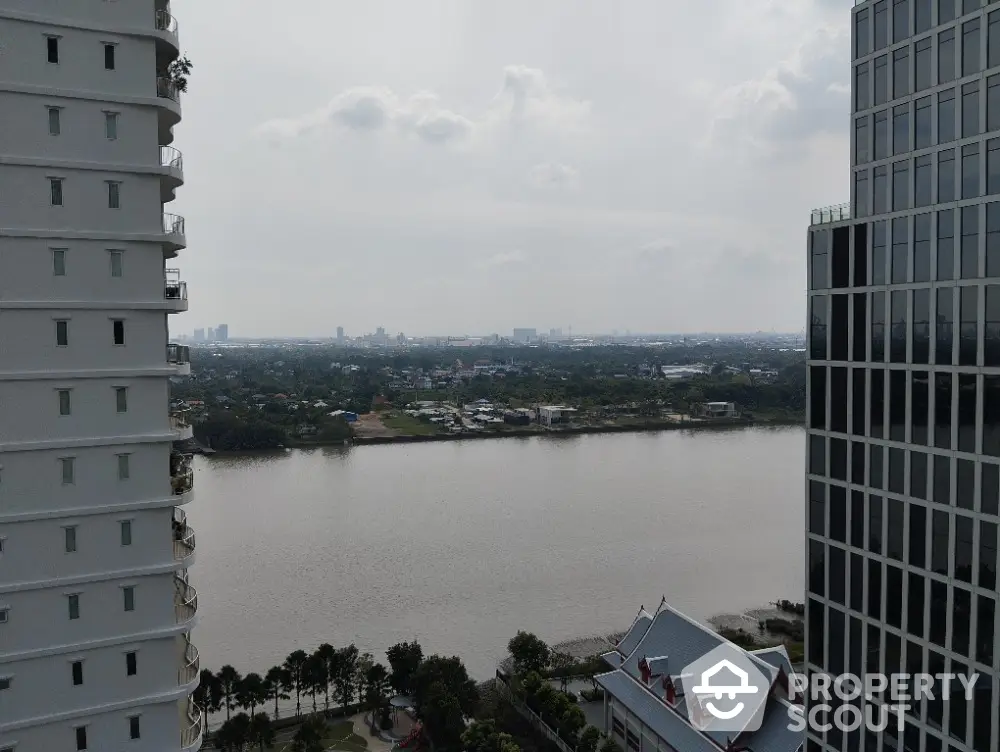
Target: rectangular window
column 59, row 262
column 922, row 248
column 900, row 186
column 970, row 171
column 946, row 116
column 56, row 191
column 946, row 11
column 862, row 150
column 921, row 327
column 126, row 526
column 118, row 331
column 921, row 16
column 54, row 121
column 993, row 103
column 121, row 399
column 946, row 175
column 878, row 327
column 881, row 132
column 114, row 194
column 123, row 467
column 52, row 48
column 64, row 402
column 897, row 343
column 971, row 48
column 900, row 249
column 922, row 124
column 818, row 323
column 861, row 198
column 109, row 57
column 969, row 266
column 862, row 34
column 879, row 240
column 881, row 25
column 881, row 79
column 77, row 671
column 133, row 727
column 991, row 357
column 988, row 555
column 81, row 738
column 946, row 56
column 900, row 73
column 69, row 534
column 993, row 166
column 942, row 411
column 922, row 185
column 920, row 390
column 877, row 420
column 967, row 338
column 117, row 257
column 68, row 466
column 880, row 190
column 901, row 129
column 967, row 429
column 859, row 351
column 862, row 96
column 922, row 63
column 993, row 41
column 74, row 606
column 130, row 663
column 111, row 125
column 970, row 109
column 128, row 593
column 62, row 333
column 900, row 20
column 991, row 444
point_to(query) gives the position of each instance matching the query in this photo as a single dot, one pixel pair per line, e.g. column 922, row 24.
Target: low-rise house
column 715, row 410
column 552, row 415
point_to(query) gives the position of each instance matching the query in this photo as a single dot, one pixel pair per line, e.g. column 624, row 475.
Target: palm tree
column 234, row 734
column 276, row 685
column 327, row 653
column 208, row 695
column 314, row 676
column 376, row 684
column 261, row 731
column 250, row 693
column 347, row 674
column 293, row 664
column 229, row 682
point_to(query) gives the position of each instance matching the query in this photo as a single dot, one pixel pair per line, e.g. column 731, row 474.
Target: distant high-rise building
column 199, row 335
column 555, row 333
column 525, row 335
column 340, row 334
column 222, row 333
column 211, row 334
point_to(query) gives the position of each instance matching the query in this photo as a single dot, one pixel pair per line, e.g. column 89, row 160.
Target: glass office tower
column 903, row 475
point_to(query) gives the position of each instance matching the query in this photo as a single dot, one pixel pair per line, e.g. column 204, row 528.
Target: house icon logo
column 725, row 690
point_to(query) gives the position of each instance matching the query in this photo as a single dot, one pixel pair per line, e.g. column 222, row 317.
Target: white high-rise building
column 95, row 606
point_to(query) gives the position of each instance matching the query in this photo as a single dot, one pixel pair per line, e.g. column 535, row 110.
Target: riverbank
column 633, row 427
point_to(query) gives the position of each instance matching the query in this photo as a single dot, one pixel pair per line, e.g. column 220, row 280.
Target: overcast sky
column 468, row 166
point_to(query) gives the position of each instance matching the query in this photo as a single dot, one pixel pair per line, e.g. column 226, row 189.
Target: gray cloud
column 549, row 175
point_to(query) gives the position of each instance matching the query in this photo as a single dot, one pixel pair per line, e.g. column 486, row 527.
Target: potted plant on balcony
column 178, row 72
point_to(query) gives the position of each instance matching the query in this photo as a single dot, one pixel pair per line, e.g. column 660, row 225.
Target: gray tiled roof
column 613, row 659
column 774, row 734
column 635, row 633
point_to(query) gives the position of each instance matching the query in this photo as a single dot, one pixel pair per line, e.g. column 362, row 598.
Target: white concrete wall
column 27, row 201
column 28, row 339
column 138, row 13
column 81, row 58
column 31, row 482
column 39, row 619
column 99, row 546
column 26, row 272
column 93, row 405
column 24, row 130
column 106, row 732
column 49, row 680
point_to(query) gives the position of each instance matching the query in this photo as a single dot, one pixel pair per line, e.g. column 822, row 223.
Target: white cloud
column 527, row 97
column 552, row 175
column 506, row 258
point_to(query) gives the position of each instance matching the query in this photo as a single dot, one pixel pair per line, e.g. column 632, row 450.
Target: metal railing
column 182, row 482
column 192, row 663
column 173, row 224
column 193, row 732
column 185, row 601
column 173, row 287
column 830, row 214
column 165, row 22
column 171, row 157
column 179, row 355
column 179, row 422
column 167, row 89
column 184, row 543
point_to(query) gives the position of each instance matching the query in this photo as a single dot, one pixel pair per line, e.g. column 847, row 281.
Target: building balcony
column 168, row 46
column 183, row 536
column 182, row 427
column 185, row 600
column 190, row 663
column 175, row 291
column 180, row 356
column 174, row 234
column 172, row 175
column 169, row 98
column 192, row 727
column 181, row 474
column 829, row 214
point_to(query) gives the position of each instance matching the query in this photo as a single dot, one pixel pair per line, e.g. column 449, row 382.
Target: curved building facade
column 96, row 608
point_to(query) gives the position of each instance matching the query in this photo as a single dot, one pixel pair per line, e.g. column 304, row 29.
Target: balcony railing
column 173, row 224
column 182, row 482
column 189, row 669
column 191, row 734
column 167, row 89
column 185, row 601
column 183, row 540
column 171, row 157
column 178, row 355
column 830, row 214
column 165, row 22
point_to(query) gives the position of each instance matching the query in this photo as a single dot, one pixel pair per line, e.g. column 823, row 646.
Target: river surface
column 460, row 544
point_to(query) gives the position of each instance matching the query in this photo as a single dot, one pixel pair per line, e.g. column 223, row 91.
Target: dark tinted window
column 970, row 171
column 922, row 123
column 991, row 352
column 970, row 109
column 944, row 326
column 991, row 433
column 898, row 330
column 946, row 116
column 971, row 47
column 966, row 412
column 881, row 131
column 942, row 410
column 876, row 414
column 920, row 407
column 946, row 175
column 878, row 326
column 946, row 56
column 967, row 340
